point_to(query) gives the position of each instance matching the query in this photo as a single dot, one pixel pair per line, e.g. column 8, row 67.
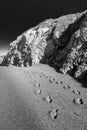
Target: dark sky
column 16, row 16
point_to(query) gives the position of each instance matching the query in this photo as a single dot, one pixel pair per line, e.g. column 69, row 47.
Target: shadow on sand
column 83, row 82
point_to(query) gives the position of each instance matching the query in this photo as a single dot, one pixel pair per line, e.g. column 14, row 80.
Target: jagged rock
column 61, row 43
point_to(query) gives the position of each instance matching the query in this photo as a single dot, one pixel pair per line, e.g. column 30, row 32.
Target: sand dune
column 39, row 98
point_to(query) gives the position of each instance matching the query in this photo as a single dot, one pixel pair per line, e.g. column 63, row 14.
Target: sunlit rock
column 61, row 43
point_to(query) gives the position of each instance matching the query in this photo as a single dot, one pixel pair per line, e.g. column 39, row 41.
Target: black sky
column 16, row 16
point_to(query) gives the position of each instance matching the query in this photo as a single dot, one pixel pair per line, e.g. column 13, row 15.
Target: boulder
column 61, row 43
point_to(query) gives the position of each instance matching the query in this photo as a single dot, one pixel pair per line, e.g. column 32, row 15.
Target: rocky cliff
column 61, row 43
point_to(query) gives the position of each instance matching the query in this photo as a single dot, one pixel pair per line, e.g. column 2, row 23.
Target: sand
column 39, row 98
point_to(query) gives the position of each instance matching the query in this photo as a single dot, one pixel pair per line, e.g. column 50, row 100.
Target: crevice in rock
column 66, row 35
column 54, row 49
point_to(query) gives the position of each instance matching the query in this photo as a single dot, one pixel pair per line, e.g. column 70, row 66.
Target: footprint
column 50, row 80
column 57, row 82
column 66, row 87
column 46, row 77
column 53, row 79
column 76, row 91
column 41, row 75
column 38, row 85
column 78, row 101
column 48, row 99
column 60, row 82
column 54, row 113
column 38, row 91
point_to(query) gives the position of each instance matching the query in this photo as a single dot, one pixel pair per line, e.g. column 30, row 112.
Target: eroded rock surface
column 61, row 43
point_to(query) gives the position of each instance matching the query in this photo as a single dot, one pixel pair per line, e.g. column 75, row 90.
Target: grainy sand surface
column 39, row 98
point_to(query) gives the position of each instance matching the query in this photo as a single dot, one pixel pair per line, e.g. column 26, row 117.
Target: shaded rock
column 1, row 59
column 61, row 43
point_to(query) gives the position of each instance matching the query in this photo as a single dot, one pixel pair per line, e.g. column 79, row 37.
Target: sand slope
column 38, row 98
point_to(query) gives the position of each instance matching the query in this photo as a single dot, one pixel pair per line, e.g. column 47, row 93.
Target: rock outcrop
column 61, row 43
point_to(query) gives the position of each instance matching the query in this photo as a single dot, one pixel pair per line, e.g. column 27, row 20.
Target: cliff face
column 61, row 43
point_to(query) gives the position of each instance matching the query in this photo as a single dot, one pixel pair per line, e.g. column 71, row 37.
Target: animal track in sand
column 56, row 82
column 76, row 91
column 66, row 86
column 78, row 101
column 53, row 113
column 50, row 81
column 38, row 85
column 41, row 76
column 38, row 91
column 48, row 99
